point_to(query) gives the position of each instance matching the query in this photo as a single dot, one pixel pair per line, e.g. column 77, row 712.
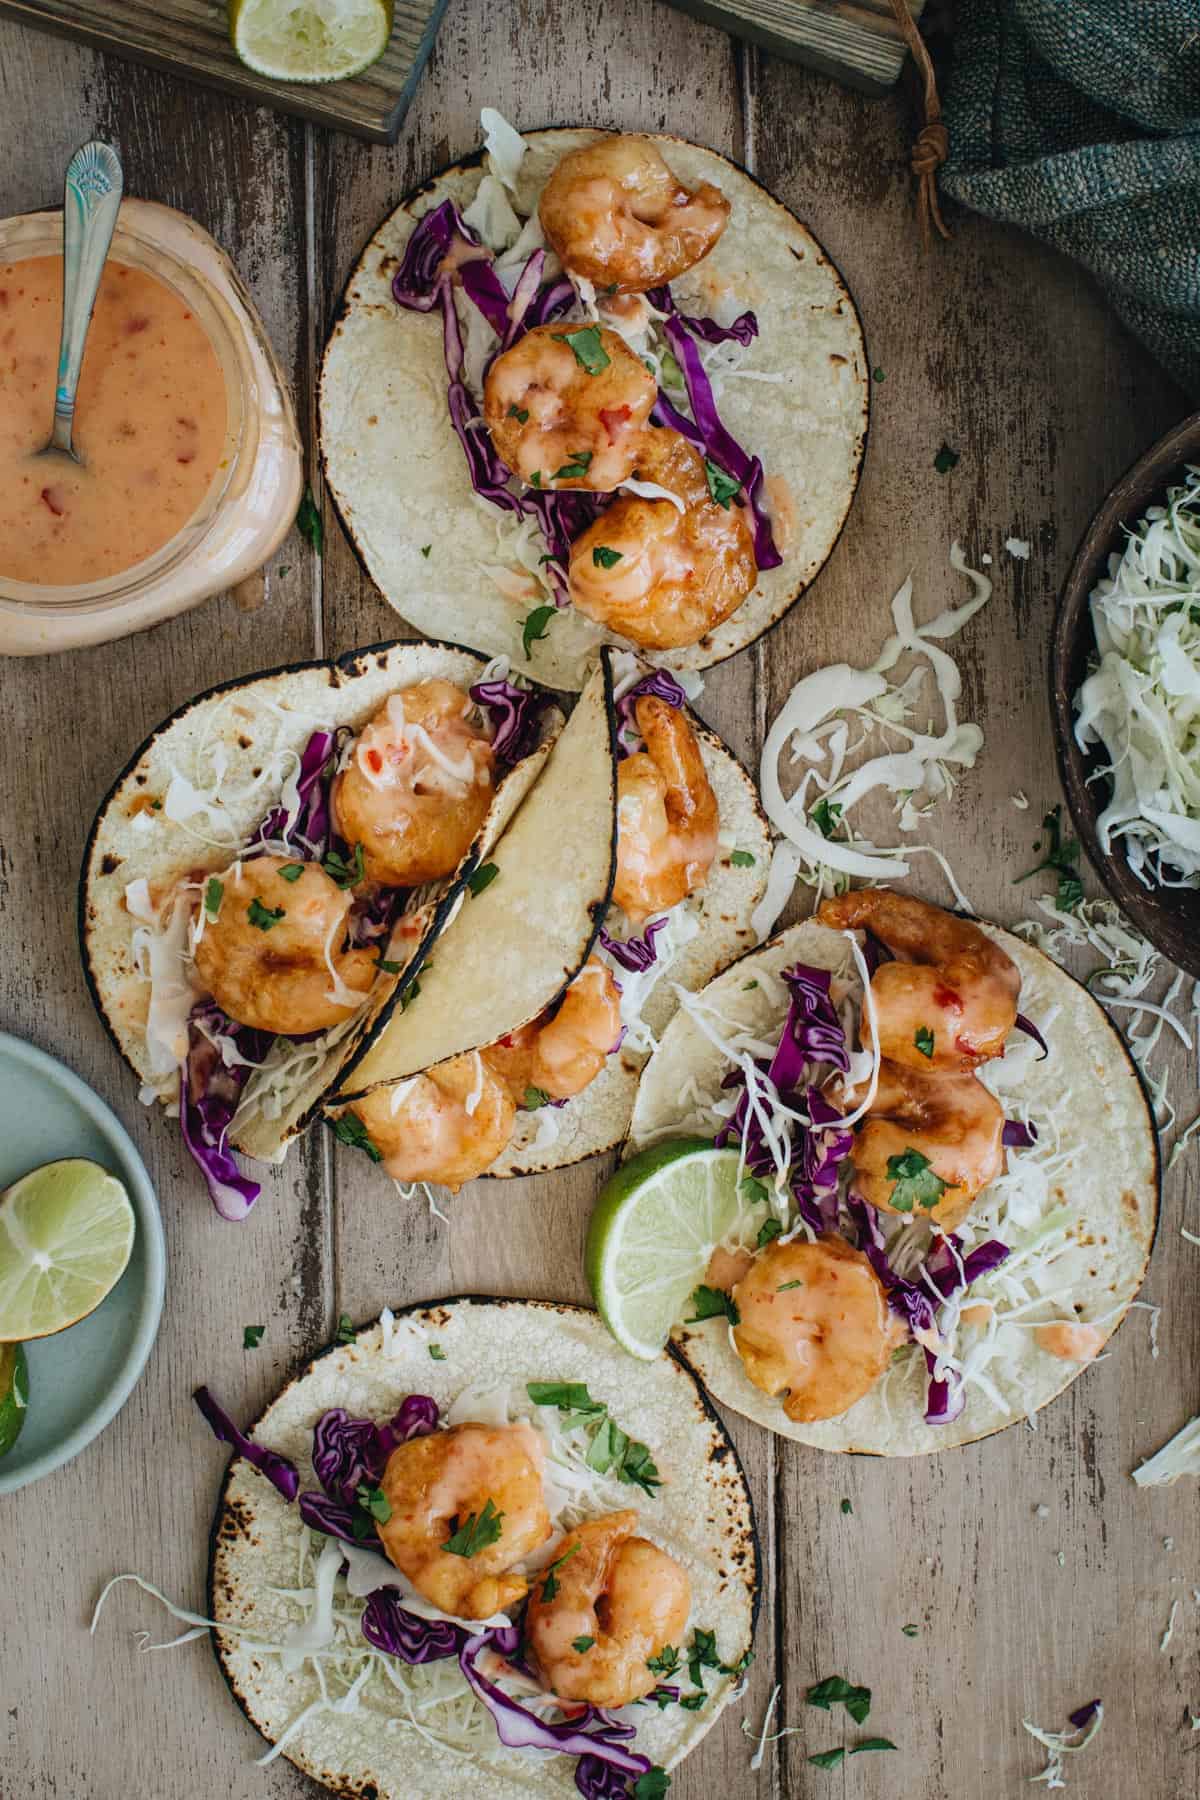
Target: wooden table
column 990, row 343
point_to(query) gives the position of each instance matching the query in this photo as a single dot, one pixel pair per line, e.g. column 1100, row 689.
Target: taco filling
column 924, row 1253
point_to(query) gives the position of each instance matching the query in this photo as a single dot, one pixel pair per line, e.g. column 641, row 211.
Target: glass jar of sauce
column 193, row 463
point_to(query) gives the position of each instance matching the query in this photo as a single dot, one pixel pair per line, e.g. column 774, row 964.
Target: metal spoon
column 91, row 200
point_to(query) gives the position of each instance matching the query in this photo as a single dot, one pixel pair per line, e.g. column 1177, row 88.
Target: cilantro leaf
column 482, row 877
column 702, row 1655
column 847, row 1507
column 309, row 522
column 878, row 375
column 910, row 1630
column 437, row 1353
column 214, row 893
column 770, row 1228
column 1062, row 859
column 755, row 1190
column 575, row 468
column 535, row 480
column 835, row 1688
column 550, row 1582
column 638, row 1469
column 374, row 1501
column 534, row 629
column 785, row 1285
column 345, row 1333
column 710, row 1303
column 587, row 347
column 535, row 1097
column 917, row 1184
column 604, row 558
column 252, row 1336
column 425, row 549
column 476, row 1532
column 290, row 871
column 826, row 816
column 349, row 1129
column 923, row 1039
column 742, row 859
column 945, row 459
column 388, row 968
column 721, row 486
column 693, row 1702
column 827, row 1759
column 665, row 1663
column 519, row 413
column 265, row 917
column 568, row 1396
column 1070, row 893
column 652, row 1785
column 342, row 873
column 582, row 1644
column 871, row 1744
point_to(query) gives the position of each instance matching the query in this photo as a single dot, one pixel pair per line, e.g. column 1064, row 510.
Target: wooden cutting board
column 189, row 38
column 856, row 41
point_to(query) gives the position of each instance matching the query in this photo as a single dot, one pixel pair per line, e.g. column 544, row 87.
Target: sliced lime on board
column 656, row 1224
column 14, row 1393
column 309, row 40
column 66, row 1231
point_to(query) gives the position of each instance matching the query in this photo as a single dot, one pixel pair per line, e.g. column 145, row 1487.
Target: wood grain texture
column 991, row 344
column 190, row 38
column 856, row 41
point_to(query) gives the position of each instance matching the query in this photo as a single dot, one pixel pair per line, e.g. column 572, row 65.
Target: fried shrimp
column 658, row 576
column 273, row 957
column 567, row 407
column 951, row 999
column 667, row 818
column 618, row 1600
column 814, row 1325
column 560, row 1053
column 952, row 1121
column 417, row 786
column 469, row 1479
column 447, row 1125
column 619, row 217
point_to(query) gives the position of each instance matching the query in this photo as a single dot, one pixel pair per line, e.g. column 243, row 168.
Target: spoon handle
column 91, row 201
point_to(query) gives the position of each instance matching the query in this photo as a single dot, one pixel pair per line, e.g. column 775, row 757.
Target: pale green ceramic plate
column 81, row 1378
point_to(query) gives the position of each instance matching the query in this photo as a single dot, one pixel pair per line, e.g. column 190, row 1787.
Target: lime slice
column 66, row 1231
column 309, row 40
column 14, row 1394
column 656, row 1223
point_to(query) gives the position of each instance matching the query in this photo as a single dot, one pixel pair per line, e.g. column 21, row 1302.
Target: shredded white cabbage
column 1141, row 704
column 1179, row 1456
column 504, row 146
column 1060, row 1744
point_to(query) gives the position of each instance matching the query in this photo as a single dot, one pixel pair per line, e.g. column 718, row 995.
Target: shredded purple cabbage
column 208, row 1098
column 416, row 282
column 1031, row 1030
column 663, row 685
column 338, row 1521
column 1017, row 1135
column 389, row 1627
column 593, row 1733
column 635, row 953
column 945, row 1395
column 278, row 1470
column 348, row 1451
column 311, row 826
column 815, row 1167
column 514, row 714
column 812, row 1033
column 744, row 328
column 1084, row 1715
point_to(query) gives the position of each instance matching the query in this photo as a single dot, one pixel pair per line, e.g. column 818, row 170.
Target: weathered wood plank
column 94, row 1717
column 1007, row 354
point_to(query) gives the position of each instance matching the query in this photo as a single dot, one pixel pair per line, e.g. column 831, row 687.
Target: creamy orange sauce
column 1073, row 1343
column 149, row 423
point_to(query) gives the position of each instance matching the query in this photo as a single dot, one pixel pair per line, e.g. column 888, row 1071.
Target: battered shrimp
column 563, row 1051
column 815, row 1326
column 950, row 1120
column 447, row 1125
column 566, row 407
column 623, row 1596
column 620, row 218
column 954, row 991
column 417, row 786
column 667, row 818
column 658, row 576
column 435, row 1484
column 266, row 957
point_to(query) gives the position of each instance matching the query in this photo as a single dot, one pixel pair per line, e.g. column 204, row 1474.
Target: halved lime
column 66, row 1231
column 14, row 1394
column 309, row 40
column 656, row 1224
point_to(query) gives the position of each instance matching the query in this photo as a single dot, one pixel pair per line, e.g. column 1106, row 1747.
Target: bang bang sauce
column 150, row 424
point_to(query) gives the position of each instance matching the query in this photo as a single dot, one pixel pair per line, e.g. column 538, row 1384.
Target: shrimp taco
column 586, row 387
column 275, row 861
column 946, row 1180
column 462, row 1552
column 504, row 1063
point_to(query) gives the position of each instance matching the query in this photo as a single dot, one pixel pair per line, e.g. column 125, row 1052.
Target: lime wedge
column 309, row 40
column 656, row 1223
column 14, row 1394
column 66, row 1231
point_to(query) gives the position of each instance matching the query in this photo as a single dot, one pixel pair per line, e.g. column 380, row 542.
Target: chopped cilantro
column 437, row 1353
column 785, row 1285
column 482, row 877
column 665, row 1663
column 909, row 1630
column 475, row 1533
column 535, row 1097
column 582, row 1644
column 309, row 522
column 519, row 413
column 374, row 1501
column 534, row 629
column 770, row 1228
column 702, row 1655
column 575, row 468
column 652, row 1785
column 252, row 1336
column 265, row 917
column 568, row 1396
column 923, row 1039
column 349, row 1129
column 1062, row 858
column 344, row 874
column 878, row 375
column 827, row 1759
column 214, row 893
column 710, row 1303
column 742, row 859
column 748, row 986
column 846, row 1507
column 290, row 871
column 693, row 1702
column 871, row 1744
column 388, row 968
column 827, row 1693
column 755, row 1190
column 587, row 347
column 611, row 1450
column 345, row 1333
column 945, row 459
column 550, row 1580
column 916, row 1182
column 721, row 486
column 826, row 816
column 604, row 558
column 425, row 549
column 535, row 480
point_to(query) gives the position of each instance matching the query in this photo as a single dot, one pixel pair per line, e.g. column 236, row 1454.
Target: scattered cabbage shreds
column 1179, row 1456
column 1084, row 1725
column 819, row 845
column 1141, row 704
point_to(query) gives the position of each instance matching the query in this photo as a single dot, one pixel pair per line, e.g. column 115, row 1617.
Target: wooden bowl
column 1169, row 917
